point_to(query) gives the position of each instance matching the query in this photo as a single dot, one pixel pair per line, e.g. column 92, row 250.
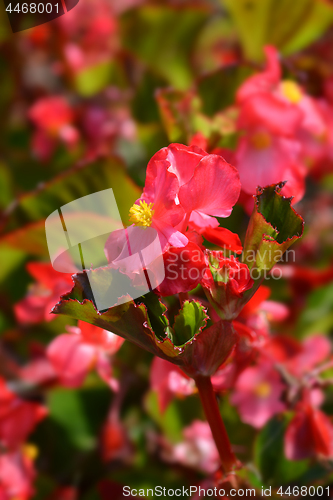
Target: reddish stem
column 182, row 297
column 212, row 412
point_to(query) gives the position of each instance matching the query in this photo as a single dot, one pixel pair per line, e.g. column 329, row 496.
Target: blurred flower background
column 86, row 100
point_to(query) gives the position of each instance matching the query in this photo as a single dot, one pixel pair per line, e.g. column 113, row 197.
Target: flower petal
column 213, row 189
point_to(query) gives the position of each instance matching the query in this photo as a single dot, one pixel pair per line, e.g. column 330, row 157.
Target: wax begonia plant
column 185, row 190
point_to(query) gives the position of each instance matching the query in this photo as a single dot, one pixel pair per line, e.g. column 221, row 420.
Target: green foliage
column 288, row 26
column 317, row 315
column 273, row 227
column 192, row 318
column 166, row 52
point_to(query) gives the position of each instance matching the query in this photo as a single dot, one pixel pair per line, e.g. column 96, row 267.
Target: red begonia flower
column 51, row 114
column 18, row 417
column 113, row 440
column 184, row 268
column 224, row 238
column 309, row 434
column 43, row 295
column 224, row 283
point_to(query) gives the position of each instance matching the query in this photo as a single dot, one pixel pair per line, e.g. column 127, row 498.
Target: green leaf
column 128, row 320
column 251, row 19
column 218, row 88
column 273, row 227
column 269, row 456
column 79, row 413
column 169, row 421
column 156, row 314
column 32, row 209
column 191, row 319
column 178, row 110
column 290, row 26
column 162, row 36
column 317, row 315
column 319, row 18
column 93, row 79
column 203, row 354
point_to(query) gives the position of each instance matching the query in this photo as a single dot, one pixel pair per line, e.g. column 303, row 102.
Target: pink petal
column 265, row 109
column 31, row 310
column 213, row 189
column 183, row 160
column 263, row 81
column 71, row 359
column 200, row 221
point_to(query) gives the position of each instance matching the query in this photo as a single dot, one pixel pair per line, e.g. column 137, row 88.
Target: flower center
column 263, row 390
column 261, row 140
column 291, row 91
column 142, row 214
column 30, row 451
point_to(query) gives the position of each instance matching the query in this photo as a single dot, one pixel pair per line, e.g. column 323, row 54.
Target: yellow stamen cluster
column 142, row 214
column 263, row 390
column 291, row 91
column 261, row 140
column 30, row 451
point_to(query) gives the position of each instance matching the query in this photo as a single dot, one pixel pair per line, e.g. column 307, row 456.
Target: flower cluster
column 198, row 330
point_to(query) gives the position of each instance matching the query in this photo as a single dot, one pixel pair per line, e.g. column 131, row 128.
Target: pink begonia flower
column 299, row 358
column 309, row 434
column 74, row 354
column 258, row 313
column 270, row 159
column 315, row 350
column 90, row 34
column 182, row 184
column 42, row 295
column 169, row 381
column 17, row 474
column 280, row 123
column 39, row 371
column 198, row 449
column 257, row 394
column 281, row 106
column 208, row 185
column 157, row 207
column 192, row 184
column 18, row 417
column 53, row 118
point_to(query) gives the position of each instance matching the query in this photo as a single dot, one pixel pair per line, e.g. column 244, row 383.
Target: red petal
column 183, row 269
column 223, row 238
